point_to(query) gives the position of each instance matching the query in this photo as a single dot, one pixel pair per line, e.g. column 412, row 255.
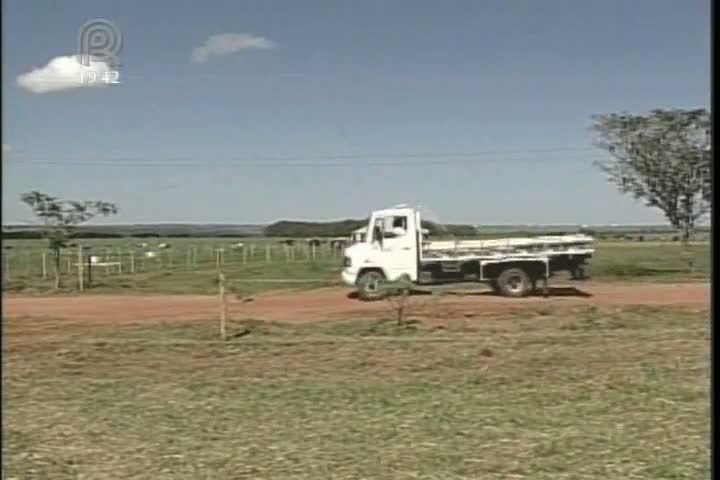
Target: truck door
column 399, row 247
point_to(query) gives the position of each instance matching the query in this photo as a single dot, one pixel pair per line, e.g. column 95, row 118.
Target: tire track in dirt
column 335, row 303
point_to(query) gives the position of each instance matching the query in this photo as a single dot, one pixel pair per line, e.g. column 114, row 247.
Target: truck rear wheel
column 369, row 286
column 514, row 282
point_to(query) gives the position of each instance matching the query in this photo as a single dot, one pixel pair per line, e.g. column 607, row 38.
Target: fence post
column 6, row 265
column 189, row 259
column 132, row 262
column 80, row 268
column 89, row 271
column 252, row 251
column 44, row 265
column 223, row 304
column 267, row 253
column 244, row 255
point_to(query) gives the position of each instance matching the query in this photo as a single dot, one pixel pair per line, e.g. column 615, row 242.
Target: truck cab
column 390, row 249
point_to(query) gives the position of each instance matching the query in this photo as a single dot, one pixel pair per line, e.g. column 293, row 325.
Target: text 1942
column 109, row 77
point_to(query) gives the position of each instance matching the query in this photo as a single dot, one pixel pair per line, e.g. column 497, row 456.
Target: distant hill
column 289, row 228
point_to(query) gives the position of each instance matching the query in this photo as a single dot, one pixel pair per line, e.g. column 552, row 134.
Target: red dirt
column 334, row 303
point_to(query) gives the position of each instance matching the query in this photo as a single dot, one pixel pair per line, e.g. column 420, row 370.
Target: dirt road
column 334, row 303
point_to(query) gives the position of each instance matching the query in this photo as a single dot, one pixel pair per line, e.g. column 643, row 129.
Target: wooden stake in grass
column 80, row 268
column 132, row 262
column 44, row 265
column 267, row 253
column 6, row 264
column 223, row 304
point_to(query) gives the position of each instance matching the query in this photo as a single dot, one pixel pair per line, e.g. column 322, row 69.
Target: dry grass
column 618, row 395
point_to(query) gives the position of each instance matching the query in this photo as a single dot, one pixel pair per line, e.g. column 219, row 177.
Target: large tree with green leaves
column 60, row 219
column 662, row 158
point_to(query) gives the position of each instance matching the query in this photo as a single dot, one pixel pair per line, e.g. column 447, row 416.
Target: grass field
column 190, row 266
column 582, row 395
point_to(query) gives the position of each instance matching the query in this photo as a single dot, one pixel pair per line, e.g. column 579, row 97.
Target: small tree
column 401, row 300
column 663, row 158
column 397, row 294
column 60, row 219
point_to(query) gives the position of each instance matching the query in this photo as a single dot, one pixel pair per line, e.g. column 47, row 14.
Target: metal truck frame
column 394, row 250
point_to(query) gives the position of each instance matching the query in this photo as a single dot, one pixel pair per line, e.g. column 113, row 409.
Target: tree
column 60, row 219
column 663, row 158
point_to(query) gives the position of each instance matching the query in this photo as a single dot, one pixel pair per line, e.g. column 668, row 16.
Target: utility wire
column 351, row 156
column 210, row 165
column 406, row 159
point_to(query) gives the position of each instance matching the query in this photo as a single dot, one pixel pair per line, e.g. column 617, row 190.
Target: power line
column 210, row 165
column 405, row 159
column 354, row 156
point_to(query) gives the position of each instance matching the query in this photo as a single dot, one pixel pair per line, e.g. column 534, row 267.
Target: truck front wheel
column 514, row 282
column 369, row 286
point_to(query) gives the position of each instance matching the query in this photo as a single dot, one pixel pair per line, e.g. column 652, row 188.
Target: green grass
column 172, row 273
column 650, row 261
column 585, row 395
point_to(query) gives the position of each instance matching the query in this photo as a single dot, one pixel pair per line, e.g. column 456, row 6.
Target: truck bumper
column 349, row 278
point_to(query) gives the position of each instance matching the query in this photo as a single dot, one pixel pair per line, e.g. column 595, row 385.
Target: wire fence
column 42, row 264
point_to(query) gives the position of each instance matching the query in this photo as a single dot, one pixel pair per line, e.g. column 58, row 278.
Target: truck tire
column 514, row 282
column 369, row 286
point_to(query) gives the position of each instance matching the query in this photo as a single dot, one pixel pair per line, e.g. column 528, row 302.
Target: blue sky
column 484, row 106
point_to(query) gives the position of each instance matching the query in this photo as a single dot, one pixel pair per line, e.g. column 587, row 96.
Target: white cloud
column 224, row 44
column 65, row 73
column 6, row 148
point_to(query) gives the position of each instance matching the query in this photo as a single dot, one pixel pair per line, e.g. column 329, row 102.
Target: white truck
column 394, row 250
